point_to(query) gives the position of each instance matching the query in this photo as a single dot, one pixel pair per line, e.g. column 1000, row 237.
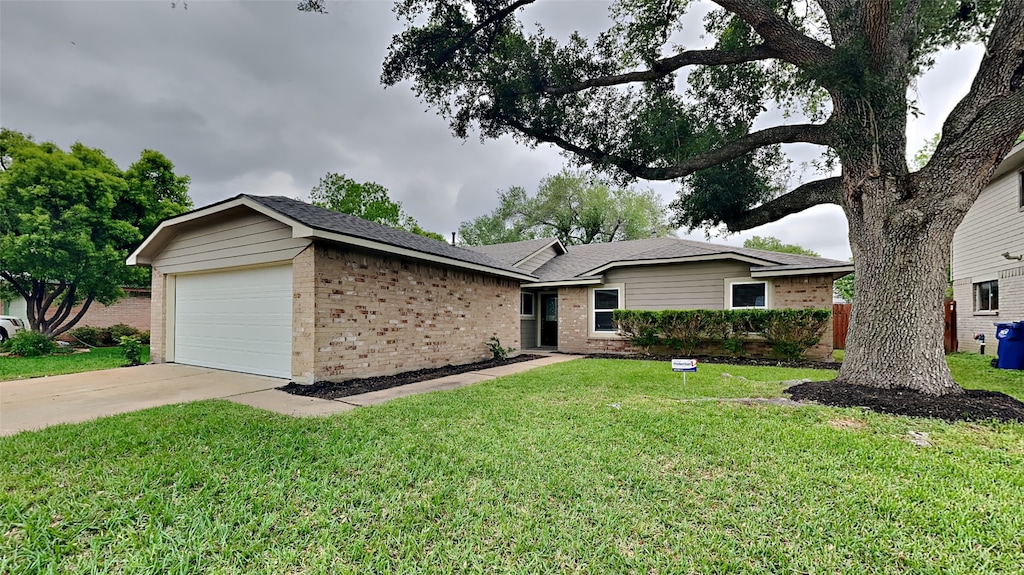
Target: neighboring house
column 569, row 306
column 133, row 309
column 987, row 267
column 275, row 286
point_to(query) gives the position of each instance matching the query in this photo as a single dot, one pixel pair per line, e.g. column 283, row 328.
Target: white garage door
column 235, row 320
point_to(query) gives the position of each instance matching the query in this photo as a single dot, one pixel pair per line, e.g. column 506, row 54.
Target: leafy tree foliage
column 844, row 286
column 68, row 221
column 841, row 69
column 369, row 201
column 773, row 244
column 573, row 207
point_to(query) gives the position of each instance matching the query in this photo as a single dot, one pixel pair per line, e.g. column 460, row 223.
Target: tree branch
column 993, row 110
column 665, row 66
column 78, row 317
column 820, row 134
column 826, row 191
column 779, row 34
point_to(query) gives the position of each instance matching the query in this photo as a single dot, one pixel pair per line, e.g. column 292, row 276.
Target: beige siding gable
column 243, row 239
column 538, row 259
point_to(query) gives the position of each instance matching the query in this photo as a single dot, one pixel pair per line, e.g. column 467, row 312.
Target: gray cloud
column 258, row 97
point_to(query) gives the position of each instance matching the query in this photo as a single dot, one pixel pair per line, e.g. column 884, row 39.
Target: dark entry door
column 549, row 319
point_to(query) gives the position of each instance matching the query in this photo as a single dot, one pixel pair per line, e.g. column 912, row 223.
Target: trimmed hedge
column 109, row 336
column 788, row 332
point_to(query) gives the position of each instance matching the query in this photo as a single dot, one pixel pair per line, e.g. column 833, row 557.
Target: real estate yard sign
column 685, row 366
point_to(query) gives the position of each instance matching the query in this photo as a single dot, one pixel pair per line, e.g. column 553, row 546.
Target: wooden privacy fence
column 841, row 324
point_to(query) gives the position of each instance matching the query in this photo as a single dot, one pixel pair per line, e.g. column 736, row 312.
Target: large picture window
column 605, row 300
column 526, row 304
column 986, row 296
column 748, row 295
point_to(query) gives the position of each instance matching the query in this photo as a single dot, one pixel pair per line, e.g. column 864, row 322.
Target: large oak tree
column 618, row 102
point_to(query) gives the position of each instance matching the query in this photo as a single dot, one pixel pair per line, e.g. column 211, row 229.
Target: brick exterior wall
column 969, row 322
column 802, row 292
column 797, row 292
column 379, row 315
column 134, row 309
column 158, row 318
column 303, row 318
column 574, row 325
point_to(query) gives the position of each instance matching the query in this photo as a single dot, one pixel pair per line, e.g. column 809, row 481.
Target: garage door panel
column 236, row 320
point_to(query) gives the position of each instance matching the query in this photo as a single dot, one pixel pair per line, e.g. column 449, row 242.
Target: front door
column 549, row 320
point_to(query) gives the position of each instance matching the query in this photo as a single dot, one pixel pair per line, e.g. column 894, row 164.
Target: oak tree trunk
column 901, row 248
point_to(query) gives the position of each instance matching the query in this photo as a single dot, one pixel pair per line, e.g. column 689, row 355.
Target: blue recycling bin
column 1011, row 345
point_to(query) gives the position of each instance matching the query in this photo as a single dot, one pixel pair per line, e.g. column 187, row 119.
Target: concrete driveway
column 35, row 403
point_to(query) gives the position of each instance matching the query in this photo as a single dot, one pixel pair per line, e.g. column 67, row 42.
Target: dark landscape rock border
column 348, row 388
column 972, row 405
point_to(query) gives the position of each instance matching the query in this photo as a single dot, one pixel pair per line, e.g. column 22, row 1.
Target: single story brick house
column 569, row 306
column 275, row 286
column 133, row 309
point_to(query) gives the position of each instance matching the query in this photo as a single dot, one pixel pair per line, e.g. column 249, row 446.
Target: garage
column 238, row 320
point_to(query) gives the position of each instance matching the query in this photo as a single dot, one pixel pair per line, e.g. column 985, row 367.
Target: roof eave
column 833, row 270
column 679, row 260
column 553, row 242
column 313, row 233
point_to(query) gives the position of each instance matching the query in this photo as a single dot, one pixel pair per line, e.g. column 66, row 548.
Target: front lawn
column 596, row 466
column 60, row 364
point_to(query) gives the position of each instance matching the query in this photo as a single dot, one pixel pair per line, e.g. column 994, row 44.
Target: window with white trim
column 748, row 295
column 526, row 308
column 986, row 296
column 604, row 300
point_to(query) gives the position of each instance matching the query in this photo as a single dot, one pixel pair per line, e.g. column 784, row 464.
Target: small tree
column 68, row 221
column 773, row 244
column 369, row 201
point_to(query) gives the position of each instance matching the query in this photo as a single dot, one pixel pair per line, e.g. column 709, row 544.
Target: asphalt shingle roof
column 579, row 260
column 513, row 252
column 345, row 224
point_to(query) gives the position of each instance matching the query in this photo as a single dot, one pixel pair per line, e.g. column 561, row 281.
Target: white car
column 9, row 325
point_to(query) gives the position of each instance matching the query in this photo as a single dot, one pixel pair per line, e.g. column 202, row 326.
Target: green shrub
column 131, row 347
column 121, row 330
column 640, row 327
column 789, row 333
column 30, row 344
column 500, row 353
column 144, row 337
column 87, row 334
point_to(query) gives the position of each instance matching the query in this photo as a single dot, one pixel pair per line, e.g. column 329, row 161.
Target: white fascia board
column 413, row 254
column 561, row 283
column 682, row 260
column 803, row 272
column 1012, row 161
column 555, row 241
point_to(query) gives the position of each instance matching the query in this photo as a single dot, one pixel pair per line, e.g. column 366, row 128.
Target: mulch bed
column 335, row 390
column 973, row 405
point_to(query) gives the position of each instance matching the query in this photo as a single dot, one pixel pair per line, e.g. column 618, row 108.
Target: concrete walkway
column 36, row 403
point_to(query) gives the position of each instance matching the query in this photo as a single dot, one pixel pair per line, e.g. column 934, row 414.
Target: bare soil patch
column 972, row 405
column 336, row 390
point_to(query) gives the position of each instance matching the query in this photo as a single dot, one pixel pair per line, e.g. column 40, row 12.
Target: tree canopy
column 573, row 207
column 369, row 201
column 640, row 101
column 773, row 244
column 69, row 219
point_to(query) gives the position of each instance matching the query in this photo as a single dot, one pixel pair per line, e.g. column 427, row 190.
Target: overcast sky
column 259, row 98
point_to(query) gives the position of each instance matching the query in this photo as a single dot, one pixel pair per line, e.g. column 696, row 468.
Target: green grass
column 596, row 466
column 974, row 371
column 60, row 364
